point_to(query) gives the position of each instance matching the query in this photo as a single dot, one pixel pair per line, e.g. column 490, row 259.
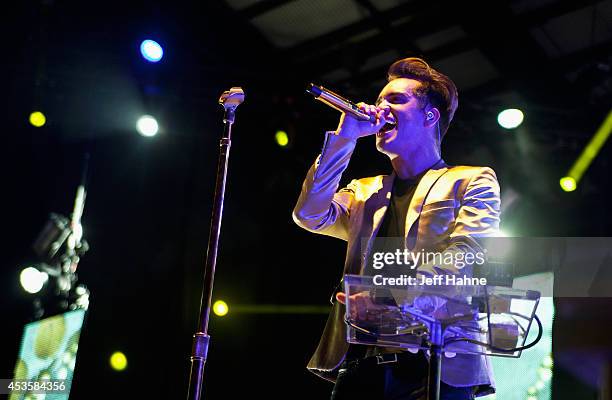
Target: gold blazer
column 450, row 209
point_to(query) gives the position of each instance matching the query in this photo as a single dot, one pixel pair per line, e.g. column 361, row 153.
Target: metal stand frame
column 230, row 100
column 435, row 361
column 410, row 319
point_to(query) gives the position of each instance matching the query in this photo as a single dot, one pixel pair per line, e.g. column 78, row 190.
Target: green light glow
column 568, row 184
column 591, row 150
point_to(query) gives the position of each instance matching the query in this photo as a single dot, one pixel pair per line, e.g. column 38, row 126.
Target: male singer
column 433, row 206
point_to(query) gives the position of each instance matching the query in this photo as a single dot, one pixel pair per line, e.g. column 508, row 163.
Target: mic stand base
column 199, row 352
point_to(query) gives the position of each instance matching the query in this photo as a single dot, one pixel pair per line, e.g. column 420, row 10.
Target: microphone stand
column 230, row 100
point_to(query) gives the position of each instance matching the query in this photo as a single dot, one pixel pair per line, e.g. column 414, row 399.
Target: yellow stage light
column 37, row 119
column 568, row 184
column 118, row 361
column 282, row 139
column 220, row 308
column 589, row 153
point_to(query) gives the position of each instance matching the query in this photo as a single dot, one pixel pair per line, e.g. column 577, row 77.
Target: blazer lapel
column 374, row 212
column 420, row 195
column 381, row 202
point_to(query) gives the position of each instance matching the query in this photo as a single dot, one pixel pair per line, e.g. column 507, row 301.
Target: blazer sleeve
column 478, row 216
column 480, row 207
column 320, row 207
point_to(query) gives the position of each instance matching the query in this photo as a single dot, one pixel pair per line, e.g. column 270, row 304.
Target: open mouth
column 387, row 127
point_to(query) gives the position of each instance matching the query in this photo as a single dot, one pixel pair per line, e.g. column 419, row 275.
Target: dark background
column 149, row 199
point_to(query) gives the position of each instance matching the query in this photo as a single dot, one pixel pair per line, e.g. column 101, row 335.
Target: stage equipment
column 510, row 118
column 230, row 100
column 568, row 184
column 48, row 349
column 37, row 119
column 147, row 126
column 588, row 155
column 281, row 137
column 48, row 356
column 118, row 361
column 535, row 365
column 151, row 50
column 440, row 318
column 52, row 237
column 60, row 246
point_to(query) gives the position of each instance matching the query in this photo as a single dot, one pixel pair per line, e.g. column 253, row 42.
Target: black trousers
column 403, row 380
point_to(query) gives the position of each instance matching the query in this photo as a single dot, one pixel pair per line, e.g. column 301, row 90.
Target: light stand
column 60, row 246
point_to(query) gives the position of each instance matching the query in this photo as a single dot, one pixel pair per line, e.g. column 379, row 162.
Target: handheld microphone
column 338, row 102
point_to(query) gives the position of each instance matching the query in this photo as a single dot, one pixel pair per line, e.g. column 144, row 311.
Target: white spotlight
column 147, row 126
column 151, row 50
column 32, row 280
column 502, row 233
column 510, row 118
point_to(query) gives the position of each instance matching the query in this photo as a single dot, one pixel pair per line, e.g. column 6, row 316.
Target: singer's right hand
column 362, row 306
column 352, row 128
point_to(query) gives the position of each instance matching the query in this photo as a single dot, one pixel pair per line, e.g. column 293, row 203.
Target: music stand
column 447, row 316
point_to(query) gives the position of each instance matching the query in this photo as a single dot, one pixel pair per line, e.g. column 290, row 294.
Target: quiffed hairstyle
column 435, row 87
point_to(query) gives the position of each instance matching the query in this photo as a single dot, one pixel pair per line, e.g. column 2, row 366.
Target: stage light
column 151, row 50
column 32, row 280
column 220, row 308
column 282, row 139
column 147, row 126
column 118, row 361
column 568, row 184
column 510, row 118
column 545, row 374
column 37, row 119
column 589, row 153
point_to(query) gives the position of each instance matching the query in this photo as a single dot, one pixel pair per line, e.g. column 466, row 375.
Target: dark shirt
column 391, row 235
column 392, row 232
column 394, row 221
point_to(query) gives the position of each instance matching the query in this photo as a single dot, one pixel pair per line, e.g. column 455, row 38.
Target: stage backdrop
column 529, row 377
column 48, row 351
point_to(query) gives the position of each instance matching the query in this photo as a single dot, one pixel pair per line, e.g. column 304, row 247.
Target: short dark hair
column 437, row 88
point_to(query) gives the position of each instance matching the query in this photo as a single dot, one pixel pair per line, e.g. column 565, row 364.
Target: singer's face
column 409, row 116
